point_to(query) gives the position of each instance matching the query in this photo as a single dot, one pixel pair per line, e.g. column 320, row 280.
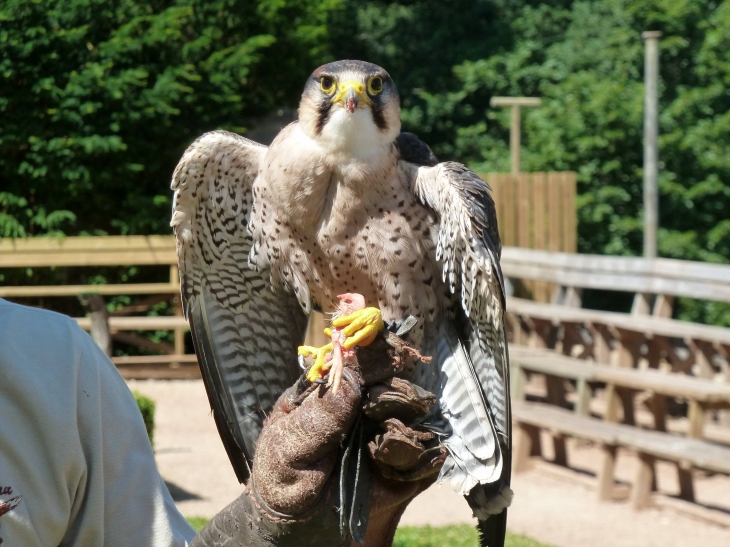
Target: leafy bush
column 147, row 408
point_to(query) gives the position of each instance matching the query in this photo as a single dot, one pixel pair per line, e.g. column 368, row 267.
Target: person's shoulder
column 11, row 313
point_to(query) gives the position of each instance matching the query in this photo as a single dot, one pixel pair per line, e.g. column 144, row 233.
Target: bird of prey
column 343, row 202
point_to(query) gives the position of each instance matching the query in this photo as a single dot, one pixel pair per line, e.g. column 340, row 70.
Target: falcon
column 343, row 202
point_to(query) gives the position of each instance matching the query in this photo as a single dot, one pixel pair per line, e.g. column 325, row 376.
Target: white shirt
column 75, row 462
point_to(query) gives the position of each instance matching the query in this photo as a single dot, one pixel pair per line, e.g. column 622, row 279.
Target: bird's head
column 351, row 106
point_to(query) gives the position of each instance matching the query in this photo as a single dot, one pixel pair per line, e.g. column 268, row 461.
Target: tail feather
column 493, row 531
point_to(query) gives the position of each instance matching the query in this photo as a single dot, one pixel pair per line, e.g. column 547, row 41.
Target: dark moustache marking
column 323, row 114
column 378, row 117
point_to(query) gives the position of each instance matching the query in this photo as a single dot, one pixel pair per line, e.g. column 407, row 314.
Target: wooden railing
column 112, row 251
column 641, row 356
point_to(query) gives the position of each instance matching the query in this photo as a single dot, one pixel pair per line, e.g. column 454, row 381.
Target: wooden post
column 177, row 308
column 686, row 485
column 605, row 473
column 651, row 148
column 560, row 449
column 643, row 483
column 641, row 304
column 696, row 417
column 663, row 306
column 514, row 130
column 99, row 321
column 525, row 445
column 583, row 397
column 518, row 382
column 658, row 406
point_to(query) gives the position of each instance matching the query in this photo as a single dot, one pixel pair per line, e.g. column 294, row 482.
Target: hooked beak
column 351, row 95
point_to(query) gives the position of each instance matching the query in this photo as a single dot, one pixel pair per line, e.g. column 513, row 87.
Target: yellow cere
column 355, row 86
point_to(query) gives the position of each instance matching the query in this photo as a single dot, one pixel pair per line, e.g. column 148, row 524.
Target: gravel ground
column 554, row 507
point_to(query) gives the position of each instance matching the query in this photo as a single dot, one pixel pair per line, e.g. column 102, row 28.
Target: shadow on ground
column 180, row 494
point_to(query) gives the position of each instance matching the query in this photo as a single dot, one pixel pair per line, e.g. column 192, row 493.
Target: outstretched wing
column 245, row 335
column 469, row 248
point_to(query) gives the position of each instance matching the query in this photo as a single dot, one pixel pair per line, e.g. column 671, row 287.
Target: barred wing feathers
column 245, row 335
column 469, row 249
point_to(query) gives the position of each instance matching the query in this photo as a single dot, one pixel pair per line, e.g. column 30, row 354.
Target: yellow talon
column 319, row 368
column 361, row 327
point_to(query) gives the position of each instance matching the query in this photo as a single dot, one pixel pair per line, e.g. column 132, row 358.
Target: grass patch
column 452, row 536
column 428, row 536
column 197, row 522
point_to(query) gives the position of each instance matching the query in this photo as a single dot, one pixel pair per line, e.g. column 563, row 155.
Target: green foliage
column 453, row 536
column 585, row 59
column 99, row 99
column 147, row 408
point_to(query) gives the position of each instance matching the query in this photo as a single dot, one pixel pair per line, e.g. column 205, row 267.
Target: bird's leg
column 355, row 326
column 320, row 367
column 360, row 327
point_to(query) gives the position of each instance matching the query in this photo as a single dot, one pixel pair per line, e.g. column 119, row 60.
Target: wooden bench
column 687, row 453
column 701, row 394
column 105, row 327
column 648, row 336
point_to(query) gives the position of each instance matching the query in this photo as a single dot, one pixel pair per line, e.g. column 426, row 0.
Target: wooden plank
column 570, row 212
column 509, row 193
column 554, row 222
column 615, row 281
column 624, row 267
column 647, row 325
column 140, row 323
column 86, row 244
column 541, row 289
column 698, row 453
column 139, row 360
column 539, row 210
column 524, row 218
column 74, row 290
column 493, row 182
column 672, row 385
column 548, row 362
column 87, row 251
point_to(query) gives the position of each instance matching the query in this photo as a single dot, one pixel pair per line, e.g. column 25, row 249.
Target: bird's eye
column 375, row 85
column 327, row 85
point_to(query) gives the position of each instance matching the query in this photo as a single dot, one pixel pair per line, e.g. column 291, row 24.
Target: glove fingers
column 397, row 398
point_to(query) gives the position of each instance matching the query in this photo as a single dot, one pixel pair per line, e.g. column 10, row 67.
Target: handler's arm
column 122, row 497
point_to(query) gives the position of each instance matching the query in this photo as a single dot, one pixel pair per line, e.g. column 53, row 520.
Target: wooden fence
column 536, row 211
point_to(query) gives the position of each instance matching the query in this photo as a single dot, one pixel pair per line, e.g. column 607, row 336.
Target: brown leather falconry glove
column 330, row 467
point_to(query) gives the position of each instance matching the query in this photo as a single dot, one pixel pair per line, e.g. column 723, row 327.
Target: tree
column 99, row 99
column 585, row 59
